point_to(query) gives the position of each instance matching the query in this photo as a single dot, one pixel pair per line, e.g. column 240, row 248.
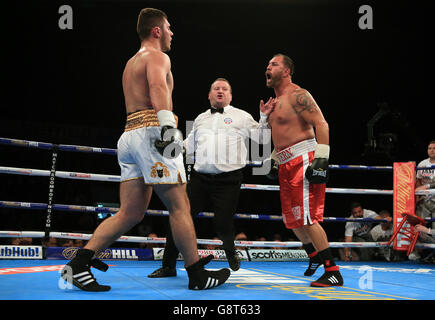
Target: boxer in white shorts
column 145, row 153
column 138, row 157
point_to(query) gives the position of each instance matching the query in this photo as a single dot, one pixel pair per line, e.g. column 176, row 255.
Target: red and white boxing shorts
column 302, row 203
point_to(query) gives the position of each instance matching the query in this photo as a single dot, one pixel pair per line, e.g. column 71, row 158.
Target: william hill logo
column 124, row 254
column 129, row 254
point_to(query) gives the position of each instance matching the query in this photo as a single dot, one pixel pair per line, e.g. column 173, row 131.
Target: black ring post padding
column 48, row 214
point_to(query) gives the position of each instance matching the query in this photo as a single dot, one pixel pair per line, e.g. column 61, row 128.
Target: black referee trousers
column 217, row 193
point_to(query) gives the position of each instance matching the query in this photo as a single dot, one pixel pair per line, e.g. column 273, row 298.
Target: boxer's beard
column 273, row 81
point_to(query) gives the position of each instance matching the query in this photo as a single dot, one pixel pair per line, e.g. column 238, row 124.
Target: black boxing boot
column 78, row 271
column 201, row 279
column 315, row 261
column 332, row 275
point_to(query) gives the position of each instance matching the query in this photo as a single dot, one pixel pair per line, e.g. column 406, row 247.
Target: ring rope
column 113, row 178
column 116, row 178
column 77, row 148
column 150, row 212
column 51, row 146
column 275, row 244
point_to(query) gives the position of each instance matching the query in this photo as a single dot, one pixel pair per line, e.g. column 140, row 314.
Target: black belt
column 218, row 175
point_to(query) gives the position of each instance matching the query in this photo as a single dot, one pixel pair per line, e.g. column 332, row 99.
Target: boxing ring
column 267, row 272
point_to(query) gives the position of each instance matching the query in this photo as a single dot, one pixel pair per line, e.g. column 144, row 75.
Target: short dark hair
column 355, row 204
column 431, row 142
column 288, row 62
column 385, row 212
column 148, row 19
column 222, row 79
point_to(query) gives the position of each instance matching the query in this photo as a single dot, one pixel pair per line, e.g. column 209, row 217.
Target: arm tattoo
column 304, row 102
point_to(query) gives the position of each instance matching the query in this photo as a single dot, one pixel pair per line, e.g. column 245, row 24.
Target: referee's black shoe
column 233, row 259
column 201, row 279
column 163, row 273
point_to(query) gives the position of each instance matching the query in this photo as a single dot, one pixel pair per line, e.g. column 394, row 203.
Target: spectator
column 429, row 231
column 354, row 255
column 383, row 232
column 15, row 241
column 79, row 243
column 262, row 239
column 50, row 242
column 277, row 238
column 21, row 241
column 294, row 240
column 150, row 245
column 212, row 246
column 240, row 237
column 425, row 179
column 356, row 231
column 427, row 235
column 65, row 242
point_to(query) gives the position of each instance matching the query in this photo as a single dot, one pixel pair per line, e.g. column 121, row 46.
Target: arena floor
column 39, row 280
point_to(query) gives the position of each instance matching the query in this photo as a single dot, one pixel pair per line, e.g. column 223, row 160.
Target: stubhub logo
column 20, row 252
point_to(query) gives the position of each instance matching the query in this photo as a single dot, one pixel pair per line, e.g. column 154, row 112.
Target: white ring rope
column 115, row 178
column 269, row 244
column 61, row 174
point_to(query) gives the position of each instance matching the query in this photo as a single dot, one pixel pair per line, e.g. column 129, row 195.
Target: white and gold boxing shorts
column 139, row 158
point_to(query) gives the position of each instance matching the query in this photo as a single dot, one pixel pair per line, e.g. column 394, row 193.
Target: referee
column 218, row 140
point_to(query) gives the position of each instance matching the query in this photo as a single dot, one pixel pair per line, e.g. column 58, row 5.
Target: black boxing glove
column 274, row 169
column 170, row 144
column 318, row 171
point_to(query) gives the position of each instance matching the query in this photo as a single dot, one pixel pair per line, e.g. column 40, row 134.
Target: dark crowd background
column 64, row 87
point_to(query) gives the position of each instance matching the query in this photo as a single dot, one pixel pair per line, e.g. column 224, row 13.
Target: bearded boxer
column 300, row 136
column 149, row 157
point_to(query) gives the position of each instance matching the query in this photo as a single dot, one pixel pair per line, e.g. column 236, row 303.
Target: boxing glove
column 170, row 144
column 274, row 169
column 273, row 164
column 318, row 171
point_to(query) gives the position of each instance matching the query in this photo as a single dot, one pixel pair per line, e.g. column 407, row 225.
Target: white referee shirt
column 219, row 140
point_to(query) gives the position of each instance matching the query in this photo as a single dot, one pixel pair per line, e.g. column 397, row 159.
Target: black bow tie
column 220, row 110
